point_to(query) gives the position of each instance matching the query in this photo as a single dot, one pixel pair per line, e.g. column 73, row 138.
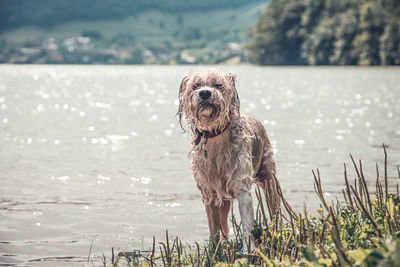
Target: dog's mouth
column 206, row 111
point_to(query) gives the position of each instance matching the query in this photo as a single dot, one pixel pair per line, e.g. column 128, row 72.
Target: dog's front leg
column 213, row 221
column 247, row 216
column 223, row 217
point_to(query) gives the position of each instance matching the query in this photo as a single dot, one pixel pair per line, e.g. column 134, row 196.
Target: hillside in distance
column 329, row 32
column 45, row 13
column 160, row 32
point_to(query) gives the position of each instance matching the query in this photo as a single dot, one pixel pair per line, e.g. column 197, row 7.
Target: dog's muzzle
column 204, row 94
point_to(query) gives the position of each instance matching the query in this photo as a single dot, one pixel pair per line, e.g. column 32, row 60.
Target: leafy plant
column 362, row 230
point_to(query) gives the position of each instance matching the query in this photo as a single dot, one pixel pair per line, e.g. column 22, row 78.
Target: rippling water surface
column 94, row 153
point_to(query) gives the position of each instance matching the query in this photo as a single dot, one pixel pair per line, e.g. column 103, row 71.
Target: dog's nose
column 205, row 94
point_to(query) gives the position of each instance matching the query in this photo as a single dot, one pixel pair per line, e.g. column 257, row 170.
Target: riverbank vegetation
column 330, row 32
column 362, row 229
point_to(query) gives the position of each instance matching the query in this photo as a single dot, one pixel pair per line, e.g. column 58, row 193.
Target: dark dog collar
column 208, row 134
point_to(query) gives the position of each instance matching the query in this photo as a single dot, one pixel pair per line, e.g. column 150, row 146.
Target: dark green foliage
column 276, row 27
column 328, row 32
column 390, row 44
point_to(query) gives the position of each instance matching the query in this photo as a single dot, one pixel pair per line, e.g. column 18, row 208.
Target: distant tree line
column 327, row 32
column 47, row 13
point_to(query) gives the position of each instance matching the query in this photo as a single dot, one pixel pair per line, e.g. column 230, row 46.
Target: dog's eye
column 196, row 86
column 219, row 85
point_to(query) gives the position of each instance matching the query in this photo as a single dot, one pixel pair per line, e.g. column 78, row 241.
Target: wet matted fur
column 230, row 152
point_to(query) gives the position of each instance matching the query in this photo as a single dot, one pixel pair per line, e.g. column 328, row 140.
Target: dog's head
column 208, row 99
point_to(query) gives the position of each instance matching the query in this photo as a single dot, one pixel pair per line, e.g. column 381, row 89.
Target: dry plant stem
column 153, row 250
column 355, row 185
column 310, row 231
column 90, row 251
column 379, row 192
column 348, row 187
column 104, row 259
column 322, row 233
column 168, row 252
column 208, row 256
column 367, row 213
column 288, row 240
column 261, row 205
column 178, row 250
column 227, row 257
column 270, row 209
column 360, row 183
column 318, row 189
column 287, row 206
column 388, row 220
column 336, row 238
column 365, row 188
column 398, row 170
column 198, row 254
column 386, row 181
column 162, row 256
column 345, row 197
column 216, row 250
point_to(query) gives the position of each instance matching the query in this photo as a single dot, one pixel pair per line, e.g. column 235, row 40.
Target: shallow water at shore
column 94, row 153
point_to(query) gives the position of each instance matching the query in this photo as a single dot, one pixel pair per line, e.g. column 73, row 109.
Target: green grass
column 362, row 230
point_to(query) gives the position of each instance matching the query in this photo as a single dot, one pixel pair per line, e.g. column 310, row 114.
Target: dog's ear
column 231, row 77
column 180, row 107
column 235, row 103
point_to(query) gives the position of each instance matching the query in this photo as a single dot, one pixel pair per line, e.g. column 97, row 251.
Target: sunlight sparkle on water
column 40, row 108
column 153, row 117
column 115, row 138
column 299, row 142
column 142, row 180
column 168, row 132
column 339, row 137
column 172, row 205
column 64, row 178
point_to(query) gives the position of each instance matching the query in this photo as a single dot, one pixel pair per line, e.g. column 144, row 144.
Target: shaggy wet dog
column 230, row 152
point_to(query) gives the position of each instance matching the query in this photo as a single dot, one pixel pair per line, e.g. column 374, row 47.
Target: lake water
column 94, row 153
